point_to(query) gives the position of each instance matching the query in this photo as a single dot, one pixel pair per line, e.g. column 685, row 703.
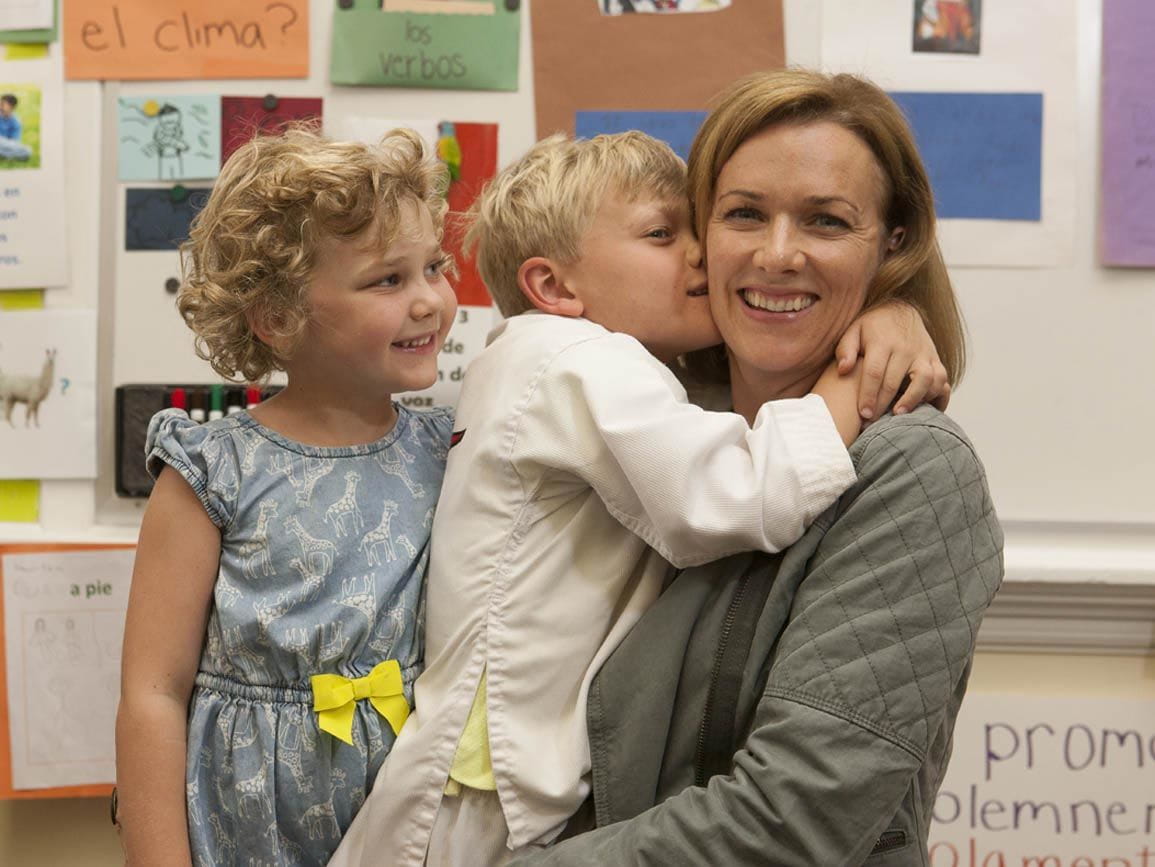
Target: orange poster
column 167, row 39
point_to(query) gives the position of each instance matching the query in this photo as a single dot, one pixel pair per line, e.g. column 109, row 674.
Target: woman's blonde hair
column 543, row 204
column 252, row 247
column 915, row 273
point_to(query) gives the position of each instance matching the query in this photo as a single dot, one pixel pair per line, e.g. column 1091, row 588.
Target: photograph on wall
column 947, row 26
column 19, row 126
column 169, row 138
column 625, row 7
column 48, row 394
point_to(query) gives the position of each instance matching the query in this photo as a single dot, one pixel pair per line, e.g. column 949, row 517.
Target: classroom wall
column 1056, row 398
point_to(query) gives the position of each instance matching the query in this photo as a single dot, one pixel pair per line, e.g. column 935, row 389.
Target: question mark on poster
column 292, row 16
column 64, row 383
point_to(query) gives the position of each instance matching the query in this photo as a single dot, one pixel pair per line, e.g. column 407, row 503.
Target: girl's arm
column 172, row 583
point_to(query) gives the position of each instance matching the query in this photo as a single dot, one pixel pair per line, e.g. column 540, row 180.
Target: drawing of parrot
column 448, row 148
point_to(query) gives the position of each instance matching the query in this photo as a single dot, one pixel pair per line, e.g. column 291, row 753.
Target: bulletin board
column 1059, row 345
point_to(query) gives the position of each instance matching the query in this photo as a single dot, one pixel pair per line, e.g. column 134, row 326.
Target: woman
column 798, row 710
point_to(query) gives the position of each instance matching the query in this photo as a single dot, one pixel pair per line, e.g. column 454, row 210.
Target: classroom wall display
column 159, row 219
column 33, row 35
column 1023, row 53
column 64, row 608
column 26, row 14
column 32, row 173
column 983, row 152
column 444, row 44
column 169, row 138
column 675, row 128
column 627, row 7
column 953, row 26
column 1127, row 164
column 1048, row 782
column 48, row 394
column 171, row 39
column 242, row 117
column 669, row 62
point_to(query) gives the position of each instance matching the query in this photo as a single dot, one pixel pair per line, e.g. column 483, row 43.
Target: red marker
column 178, row 399
column 252, row 397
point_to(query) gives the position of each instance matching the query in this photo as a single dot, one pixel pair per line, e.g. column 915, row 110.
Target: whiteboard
column 1057, row 399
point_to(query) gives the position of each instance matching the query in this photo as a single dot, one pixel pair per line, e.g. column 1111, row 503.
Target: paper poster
column 471, row 151
column 26, row 14
column 445, row 44
column 159, row 219
column 1126, row 221
column 169, row 138
column 983, row 151
column 953, row 26
column 20, row 501
column 242, row 117
column 1048, row 782
column 1023, row 53
column 32, row 173
column 675, row 128
column 584, row 60
column 63, row 628
column 48, row 394
column 37, row 35
column 625, row 7
column 169, row 39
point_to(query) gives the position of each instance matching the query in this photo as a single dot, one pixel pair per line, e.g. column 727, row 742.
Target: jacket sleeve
column 694, row 485
column 867, row 671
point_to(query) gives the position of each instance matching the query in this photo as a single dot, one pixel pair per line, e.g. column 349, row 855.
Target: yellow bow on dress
column 335, row 697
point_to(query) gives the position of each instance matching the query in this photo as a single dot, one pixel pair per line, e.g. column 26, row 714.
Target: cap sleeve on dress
column 202, row 454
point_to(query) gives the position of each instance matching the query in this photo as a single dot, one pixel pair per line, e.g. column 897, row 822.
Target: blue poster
column 984, row 152
column 675, row 128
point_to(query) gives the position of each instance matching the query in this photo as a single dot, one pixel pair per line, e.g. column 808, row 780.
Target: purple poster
column 1126, row 216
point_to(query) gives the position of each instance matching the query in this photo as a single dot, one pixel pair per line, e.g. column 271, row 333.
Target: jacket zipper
column 700, row 778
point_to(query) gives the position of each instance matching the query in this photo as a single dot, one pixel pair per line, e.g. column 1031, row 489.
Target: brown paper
column 586, row 61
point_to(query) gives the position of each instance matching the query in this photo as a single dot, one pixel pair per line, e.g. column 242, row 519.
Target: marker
column 252, row 397
column 234, row 402
column 216, row 402
column 196, row 410
column 177, row 399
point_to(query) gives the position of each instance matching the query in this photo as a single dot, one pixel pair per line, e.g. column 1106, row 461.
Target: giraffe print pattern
column 323, row 554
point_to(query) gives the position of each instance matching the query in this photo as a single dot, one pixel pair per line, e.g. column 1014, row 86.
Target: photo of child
column 950, row 26
column 19, row 126
column 622, row 7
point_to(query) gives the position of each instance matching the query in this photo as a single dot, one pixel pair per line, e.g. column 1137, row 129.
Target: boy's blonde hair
column 543, row 204
column 252, row 247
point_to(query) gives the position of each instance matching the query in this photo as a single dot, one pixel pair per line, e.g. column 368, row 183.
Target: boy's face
column 378, row 318
column 639, row 272
column 5, row 108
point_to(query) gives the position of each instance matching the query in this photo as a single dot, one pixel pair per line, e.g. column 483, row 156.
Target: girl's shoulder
column 202, row 453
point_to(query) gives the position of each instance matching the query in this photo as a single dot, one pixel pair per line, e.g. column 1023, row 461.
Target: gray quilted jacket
column 846, row 702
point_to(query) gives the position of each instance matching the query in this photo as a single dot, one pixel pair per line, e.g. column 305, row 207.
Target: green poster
column 46, row 34
column 449, row 50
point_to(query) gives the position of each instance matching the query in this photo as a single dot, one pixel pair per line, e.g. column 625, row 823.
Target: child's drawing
column 169, row 138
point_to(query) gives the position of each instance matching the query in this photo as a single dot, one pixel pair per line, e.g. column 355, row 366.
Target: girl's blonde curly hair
column 252, row 247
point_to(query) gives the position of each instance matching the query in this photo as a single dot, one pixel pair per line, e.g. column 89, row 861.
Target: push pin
column 512, row 5
column 171, row 285
column 270, row 102
column 178, row 194
column 344, row 4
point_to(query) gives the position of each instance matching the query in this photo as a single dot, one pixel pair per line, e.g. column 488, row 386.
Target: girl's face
column 378, row 318
column 795, row 237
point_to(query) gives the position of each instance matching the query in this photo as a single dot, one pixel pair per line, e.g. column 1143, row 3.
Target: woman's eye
column 829, row 221
column 743, row 213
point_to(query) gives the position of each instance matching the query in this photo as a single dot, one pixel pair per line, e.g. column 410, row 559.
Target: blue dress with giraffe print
column 323, row 560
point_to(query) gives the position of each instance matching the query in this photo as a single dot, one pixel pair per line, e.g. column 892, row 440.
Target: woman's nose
column 781, row 248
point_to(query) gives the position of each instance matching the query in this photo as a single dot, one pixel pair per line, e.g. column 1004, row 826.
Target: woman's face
column 795, row 236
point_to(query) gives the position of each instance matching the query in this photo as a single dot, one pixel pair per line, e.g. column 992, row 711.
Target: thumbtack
column 171, row 285
column 270, row 102
column 178, row 194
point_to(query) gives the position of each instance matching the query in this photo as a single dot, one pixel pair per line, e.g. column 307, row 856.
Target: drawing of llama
column 28, row 390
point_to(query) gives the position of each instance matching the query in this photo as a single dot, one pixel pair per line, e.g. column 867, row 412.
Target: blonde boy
column 579, row 473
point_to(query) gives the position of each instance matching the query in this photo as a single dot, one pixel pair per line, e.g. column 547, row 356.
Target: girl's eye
column 388, row 280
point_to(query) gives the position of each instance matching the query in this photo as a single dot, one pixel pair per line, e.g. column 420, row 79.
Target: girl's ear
column 268, row 326
column 544, row 285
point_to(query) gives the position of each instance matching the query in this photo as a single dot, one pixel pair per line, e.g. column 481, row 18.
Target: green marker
column 216, row 402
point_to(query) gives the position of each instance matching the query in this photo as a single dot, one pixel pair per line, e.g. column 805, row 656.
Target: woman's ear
column 543, row 284
column 894, row 242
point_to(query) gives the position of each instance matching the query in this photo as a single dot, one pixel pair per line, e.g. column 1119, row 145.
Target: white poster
column 26, row 14
column 465, row 342
column 48, row 394
column 1048, row 782
column 63, row 627
column 1022, row 51
column 32, row 243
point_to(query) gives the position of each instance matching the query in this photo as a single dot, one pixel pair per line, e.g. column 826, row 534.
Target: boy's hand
column 841, row 395
column 895, row 346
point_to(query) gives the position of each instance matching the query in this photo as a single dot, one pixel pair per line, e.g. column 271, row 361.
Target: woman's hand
column 895, row 346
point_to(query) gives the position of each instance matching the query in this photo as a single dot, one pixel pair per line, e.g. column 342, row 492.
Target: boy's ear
column 543, row 284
